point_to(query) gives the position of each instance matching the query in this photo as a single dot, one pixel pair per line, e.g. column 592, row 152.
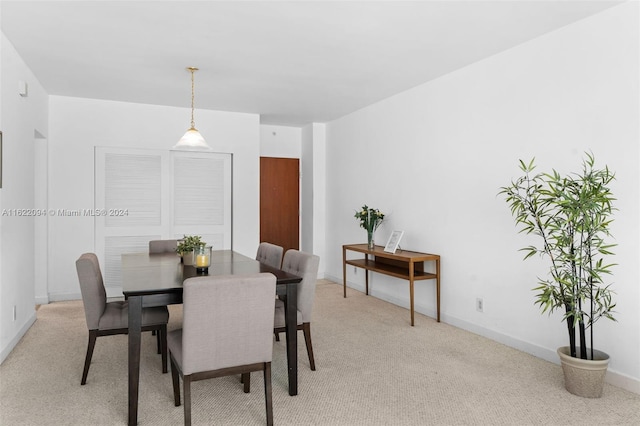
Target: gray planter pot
column 187, row 258
column 584, row 377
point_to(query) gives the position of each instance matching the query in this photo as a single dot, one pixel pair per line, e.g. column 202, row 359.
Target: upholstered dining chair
column 163, row 246
column 270, row 254
column 110, row 318
column 304, row 265
column 226, row 330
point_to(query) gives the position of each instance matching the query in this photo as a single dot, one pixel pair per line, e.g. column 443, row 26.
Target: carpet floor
column 372, row 368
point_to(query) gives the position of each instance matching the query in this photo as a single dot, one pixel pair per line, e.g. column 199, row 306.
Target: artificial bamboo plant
column 572, row 216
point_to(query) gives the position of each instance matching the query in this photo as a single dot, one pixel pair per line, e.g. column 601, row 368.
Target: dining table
column 157, row 280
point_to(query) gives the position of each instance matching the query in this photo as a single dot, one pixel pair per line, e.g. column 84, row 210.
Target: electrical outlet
column 479, row 305
column 355, row 270
column 15, row 313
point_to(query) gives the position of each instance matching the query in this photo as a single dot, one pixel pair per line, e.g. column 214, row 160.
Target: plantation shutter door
column 130, row 207
column 202, row 196
column 143, row 195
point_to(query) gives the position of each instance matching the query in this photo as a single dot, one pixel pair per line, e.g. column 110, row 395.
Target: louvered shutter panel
column 202, row 197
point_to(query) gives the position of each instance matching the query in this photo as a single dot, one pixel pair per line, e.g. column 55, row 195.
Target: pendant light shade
column 192, row 140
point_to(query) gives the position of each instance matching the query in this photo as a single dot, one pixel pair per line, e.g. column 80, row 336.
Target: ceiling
column 291, row 62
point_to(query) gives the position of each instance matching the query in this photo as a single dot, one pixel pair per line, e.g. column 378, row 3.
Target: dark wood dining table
column 156, row 280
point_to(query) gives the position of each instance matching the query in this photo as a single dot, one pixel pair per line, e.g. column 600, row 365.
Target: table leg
column 366, row 277
column 344, row 271
column 438, row 287
column 411, row 300
column 291, row 319
column 135, row 325
column 411, row 275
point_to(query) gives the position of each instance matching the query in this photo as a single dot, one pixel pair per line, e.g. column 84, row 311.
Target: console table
column 404, row 264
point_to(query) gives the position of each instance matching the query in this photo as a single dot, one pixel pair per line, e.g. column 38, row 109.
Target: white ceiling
column 291, row 62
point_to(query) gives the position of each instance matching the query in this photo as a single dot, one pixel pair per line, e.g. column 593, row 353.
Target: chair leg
column 267, row 393
column 176, row 383
column 93, row 335
column 245, row 379
column 158, row 341
column 277, row 336
column 306, row 328
column 162, row 338
column 186, row 381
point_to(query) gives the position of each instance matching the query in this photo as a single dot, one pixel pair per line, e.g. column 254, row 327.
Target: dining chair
column 158, row 247
column 304, row 265
column 270, row 254
column 226, row 330
column 110, row 318
column 163, row 246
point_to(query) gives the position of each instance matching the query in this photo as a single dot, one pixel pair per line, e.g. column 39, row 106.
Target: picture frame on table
column 393, row 242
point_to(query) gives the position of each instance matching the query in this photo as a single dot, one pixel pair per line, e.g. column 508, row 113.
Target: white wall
column 78, row 125
column 313, row 198
column 280, row 141
column 21, row 119
column 433, row 159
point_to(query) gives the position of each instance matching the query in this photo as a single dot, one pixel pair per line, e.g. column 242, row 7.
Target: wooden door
column 280, row 201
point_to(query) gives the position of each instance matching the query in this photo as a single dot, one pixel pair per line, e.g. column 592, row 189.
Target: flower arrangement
column 369, row 219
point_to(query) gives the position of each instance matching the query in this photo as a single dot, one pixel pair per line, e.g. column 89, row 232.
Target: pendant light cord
column 192, row 69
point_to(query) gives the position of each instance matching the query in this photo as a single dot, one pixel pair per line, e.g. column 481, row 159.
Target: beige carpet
column 372, row 368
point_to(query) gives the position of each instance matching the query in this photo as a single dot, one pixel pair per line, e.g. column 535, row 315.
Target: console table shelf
column 394, row 271
column 404, row 264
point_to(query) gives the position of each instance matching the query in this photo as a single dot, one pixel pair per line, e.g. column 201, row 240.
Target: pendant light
column 192, row 140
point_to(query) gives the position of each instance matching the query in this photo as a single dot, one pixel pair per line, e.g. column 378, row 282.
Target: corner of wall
column 17, row 337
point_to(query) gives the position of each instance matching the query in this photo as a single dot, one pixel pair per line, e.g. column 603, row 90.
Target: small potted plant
column 186, row 246
column 571, row 215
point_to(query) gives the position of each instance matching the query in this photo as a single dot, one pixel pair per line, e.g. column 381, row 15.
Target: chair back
column 227, row 321
column 94, row 296
column 163, row 246
column 304, row 265
column 270, row 254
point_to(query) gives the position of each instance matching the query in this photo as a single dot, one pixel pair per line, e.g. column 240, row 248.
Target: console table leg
column 344, row 272
column 438, row 288
column 366, row 277
column 411, row 300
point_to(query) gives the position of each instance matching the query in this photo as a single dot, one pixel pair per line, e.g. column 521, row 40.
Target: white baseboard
column 16, row 339
column 613, row 377
column 42, row 300
column 61, row 297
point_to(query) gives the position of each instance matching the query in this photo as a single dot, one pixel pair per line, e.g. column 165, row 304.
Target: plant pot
column 584, row 377
column 187, row 258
